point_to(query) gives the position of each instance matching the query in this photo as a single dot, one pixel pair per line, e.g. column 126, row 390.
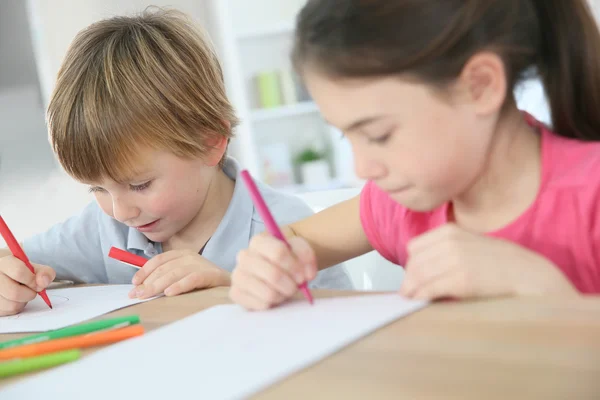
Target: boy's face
column 161, row 199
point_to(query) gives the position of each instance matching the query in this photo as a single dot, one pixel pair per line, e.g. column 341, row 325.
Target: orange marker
column 75, row 342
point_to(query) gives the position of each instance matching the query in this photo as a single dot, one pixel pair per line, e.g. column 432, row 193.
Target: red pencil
column 269, row 221
column 126, row 257
column 18, row 252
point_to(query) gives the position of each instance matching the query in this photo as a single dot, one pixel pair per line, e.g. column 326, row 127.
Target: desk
column 495, row 349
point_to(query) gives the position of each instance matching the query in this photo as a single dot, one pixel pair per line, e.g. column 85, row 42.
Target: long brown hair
column 150, row 79
column 433, row 39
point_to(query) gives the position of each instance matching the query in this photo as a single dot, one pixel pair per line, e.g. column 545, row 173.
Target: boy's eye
column 138, row 188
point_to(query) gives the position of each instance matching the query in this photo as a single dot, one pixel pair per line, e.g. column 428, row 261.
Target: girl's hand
column 269, row 272
column 176, row 272
column 452, row 262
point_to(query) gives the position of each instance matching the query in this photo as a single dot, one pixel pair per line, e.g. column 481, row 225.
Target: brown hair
column 146, row 80
column 433, row 39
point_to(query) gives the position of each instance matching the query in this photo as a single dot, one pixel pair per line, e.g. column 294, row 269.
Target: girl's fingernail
column 299, row 277
column 139, row 292
column 46, row 280
column 132, row 293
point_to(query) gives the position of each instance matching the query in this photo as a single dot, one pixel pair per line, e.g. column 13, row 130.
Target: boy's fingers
column 188, row 283
column 44, row 276
column 18, row 271
column 154, row 263
column 14, row 291
column 8, row 307
column 158, row 286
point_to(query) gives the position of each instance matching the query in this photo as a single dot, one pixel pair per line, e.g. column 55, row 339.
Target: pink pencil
column 270, row 223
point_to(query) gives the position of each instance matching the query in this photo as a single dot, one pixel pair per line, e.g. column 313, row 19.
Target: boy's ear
column 218, row 147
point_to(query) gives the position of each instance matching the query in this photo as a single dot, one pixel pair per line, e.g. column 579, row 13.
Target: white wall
column 17, row 65
column 55, row 23
column 595, row 4
column 251, row 15
column 34, row 193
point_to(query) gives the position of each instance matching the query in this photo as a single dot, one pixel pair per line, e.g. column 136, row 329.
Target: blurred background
column 282, row 138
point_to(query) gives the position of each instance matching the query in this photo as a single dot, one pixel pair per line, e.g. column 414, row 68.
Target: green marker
column 105, row 324
column 22, row 365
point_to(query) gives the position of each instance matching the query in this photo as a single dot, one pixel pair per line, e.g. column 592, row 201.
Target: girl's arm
column 335, row 234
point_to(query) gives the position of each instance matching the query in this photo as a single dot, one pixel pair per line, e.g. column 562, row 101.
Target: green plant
column 308, row 155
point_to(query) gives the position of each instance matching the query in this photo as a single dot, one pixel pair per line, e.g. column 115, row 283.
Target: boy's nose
column 124, row 212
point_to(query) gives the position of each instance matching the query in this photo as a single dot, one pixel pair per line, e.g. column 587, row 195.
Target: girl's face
column 162, row 198
column 417, row 145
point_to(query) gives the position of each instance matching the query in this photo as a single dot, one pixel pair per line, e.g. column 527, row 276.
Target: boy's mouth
column 147, row 227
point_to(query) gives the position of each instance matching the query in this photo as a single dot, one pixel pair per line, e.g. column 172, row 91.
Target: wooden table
column 495, row 349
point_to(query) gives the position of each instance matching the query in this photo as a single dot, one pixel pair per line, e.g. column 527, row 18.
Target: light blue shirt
column 78, row 248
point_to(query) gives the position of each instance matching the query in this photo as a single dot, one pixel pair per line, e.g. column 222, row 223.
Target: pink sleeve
column 595, row 245
column 369, row 216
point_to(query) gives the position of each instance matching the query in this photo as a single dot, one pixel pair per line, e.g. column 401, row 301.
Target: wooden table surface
column 494, row 349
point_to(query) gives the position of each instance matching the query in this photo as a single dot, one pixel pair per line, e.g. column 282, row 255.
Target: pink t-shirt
column 562, row 224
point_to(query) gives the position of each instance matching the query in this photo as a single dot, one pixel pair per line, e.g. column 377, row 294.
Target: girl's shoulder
column 570, row 163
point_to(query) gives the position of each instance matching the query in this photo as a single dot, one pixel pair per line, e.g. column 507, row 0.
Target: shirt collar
column 233, row 233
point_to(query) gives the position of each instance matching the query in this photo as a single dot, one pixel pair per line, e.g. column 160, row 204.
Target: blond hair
column 130, row 81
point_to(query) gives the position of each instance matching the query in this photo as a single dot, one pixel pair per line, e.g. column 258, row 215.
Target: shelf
column 279, row 29
column 290, row 110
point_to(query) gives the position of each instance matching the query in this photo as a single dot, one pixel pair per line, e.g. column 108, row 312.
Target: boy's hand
column 18, row 286
column 452, row 262
column 268, row 272
column 175, row 272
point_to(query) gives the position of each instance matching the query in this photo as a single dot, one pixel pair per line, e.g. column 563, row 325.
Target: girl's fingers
column 274, row 276
column 246, row 300
column 266, row 295
column 423, row 268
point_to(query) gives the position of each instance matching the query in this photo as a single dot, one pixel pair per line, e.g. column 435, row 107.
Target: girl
column 472, row 196
column 139, row 113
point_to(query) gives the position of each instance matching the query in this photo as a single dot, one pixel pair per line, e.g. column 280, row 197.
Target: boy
column 139, row 113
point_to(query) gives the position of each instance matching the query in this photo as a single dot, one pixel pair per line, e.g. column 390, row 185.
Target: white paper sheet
column 70, row 306
column 221, row 353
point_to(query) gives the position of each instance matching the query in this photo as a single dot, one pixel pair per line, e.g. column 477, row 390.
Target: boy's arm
column 335, row 234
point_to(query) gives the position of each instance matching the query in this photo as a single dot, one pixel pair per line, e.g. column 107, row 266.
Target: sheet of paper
column 70, row 306
column 221, row 353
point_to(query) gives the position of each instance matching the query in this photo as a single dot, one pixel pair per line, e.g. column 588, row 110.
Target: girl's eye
column 380, row 139
column 95, row 189
column 139, row 188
